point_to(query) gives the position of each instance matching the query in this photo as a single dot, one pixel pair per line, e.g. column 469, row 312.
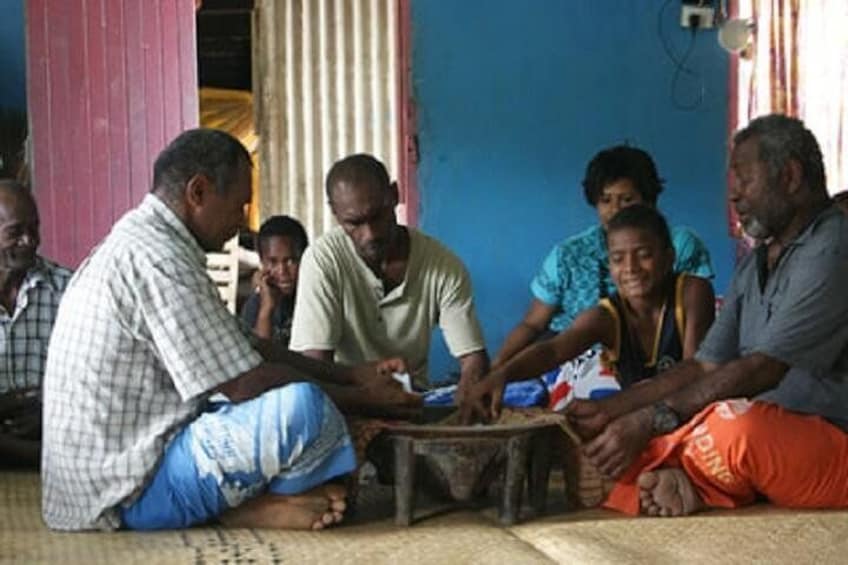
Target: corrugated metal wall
column 326, row 84
column 109, row 83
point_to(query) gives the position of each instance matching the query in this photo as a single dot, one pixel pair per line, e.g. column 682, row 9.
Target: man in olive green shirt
column 372, row 288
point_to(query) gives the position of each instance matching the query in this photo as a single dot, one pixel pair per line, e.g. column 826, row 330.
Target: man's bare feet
column 312, row 510
column 667, row 492
column 335, row 494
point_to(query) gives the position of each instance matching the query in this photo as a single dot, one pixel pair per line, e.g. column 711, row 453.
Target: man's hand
column 382, row 394
column 473, row 367
column 392, row 365
column 388, row 399
column 620, row 442
column 482, row 400
column 16, row 400
column 377, row 372
column 26, row 425
column 20, row 427
column 587, row 417
column 385, row 396
column 20, row 414
column 464, row 390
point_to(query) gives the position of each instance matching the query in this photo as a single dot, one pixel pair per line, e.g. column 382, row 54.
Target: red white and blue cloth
column 583, row 377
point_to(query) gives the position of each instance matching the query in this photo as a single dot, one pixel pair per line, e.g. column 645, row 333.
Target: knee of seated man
column 740, row 422
column 301, row 405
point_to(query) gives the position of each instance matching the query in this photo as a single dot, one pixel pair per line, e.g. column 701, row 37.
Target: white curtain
column 799, row 66
column 823, row 82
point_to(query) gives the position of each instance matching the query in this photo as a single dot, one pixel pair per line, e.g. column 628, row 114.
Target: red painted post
column 109, row 84
column 408, row 138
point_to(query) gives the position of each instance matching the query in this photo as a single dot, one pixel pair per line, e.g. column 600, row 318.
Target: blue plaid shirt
column 26, row 331
column 575, row 275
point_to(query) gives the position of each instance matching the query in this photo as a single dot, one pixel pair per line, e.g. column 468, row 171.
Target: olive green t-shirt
column 342, row 306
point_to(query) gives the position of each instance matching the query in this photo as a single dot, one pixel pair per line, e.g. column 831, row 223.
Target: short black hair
column 283, row 226
column 781, row 138
column 357, row 169
column 209, row 152
column 622, row 162
column 640, row 216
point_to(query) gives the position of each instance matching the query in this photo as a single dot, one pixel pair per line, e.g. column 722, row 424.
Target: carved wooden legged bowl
column 463, row 461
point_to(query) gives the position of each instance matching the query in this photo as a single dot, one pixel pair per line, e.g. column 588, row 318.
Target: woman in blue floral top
column 575, row 275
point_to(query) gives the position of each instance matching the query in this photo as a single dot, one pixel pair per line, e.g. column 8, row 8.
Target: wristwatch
column 665, row 419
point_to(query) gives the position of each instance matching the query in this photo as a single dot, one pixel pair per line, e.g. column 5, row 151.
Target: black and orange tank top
column 626, row 359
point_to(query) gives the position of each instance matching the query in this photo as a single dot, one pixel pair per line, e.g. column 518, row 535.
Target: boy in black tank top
column 655, row 318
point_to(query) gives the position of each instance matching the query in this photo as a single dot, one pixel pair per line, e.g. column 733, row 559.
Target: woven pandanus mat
column 460, row 537
column 757, row 534
column 760, row 534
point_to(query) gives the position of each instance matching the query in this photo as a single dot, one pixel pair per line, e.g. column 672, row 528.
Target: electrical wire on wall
column 680, row 68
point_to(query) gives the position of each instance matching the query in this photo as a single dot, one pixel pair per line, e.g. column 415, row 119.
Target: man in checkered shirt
column 142, row 340
column 30, row 289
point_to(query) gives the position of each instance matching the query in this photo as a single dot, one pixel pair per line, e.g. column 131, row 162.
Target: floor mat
column 370, row 537
column 760, row 534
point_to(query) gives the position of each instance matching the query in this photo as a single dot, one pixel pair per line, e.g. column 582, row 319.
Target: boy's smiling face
column 638, row 261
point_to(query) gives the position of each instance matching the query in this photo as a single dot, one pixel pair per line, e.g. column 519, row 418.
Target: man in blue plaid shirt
column 30, row 289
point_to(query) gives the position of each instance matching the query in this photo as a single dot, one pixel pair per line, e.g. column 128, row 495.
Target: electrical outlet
column 704, row 14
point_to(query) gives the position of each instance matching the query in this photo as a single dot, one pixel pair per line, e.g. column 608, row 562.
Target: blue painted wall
column 12, row 59
column 515, row 97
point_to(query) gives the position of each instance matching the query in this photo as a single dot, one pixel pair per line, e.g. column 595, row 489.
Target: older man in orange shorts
column 765, row 401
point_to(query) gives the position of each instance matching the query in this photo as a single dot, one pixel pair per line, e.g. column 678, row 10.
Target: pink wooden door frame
column 408, row 138
column 109, row 83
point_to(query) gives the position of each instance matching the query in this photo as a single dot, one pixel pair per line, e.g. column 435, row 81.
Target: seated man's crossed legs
column 260, row 463
column 731, row 453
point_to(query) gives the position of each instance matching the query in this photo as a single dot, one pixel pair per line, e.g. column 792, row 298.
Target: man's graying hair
column 209, row 152
column 780, row 139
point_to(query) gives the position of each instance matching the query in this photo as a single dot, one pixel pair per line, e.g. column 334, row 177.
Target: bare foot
column 312, row 510
column 334, row 494
column 667, row 492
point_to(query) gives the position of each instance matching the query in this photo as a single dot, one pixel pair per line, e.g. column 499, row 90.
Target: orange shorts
column 734, row 450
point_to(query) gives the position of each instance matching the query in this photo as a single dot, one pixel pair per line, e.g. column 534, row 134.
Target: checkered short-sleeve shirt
column 141, row 339
column 25, row 332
